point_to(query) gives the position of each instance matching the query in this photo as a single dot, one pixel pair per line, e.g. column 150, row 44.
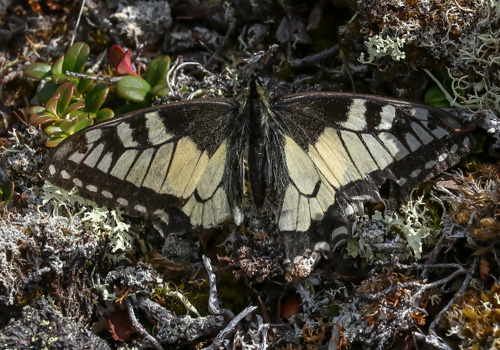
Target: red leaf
column 125, row 64
column 115, row 54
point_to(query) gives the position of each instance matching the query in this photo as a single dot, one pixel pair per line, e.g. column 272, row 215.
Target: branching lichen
column 414, row 224
column 377, row 47
column 464, row 35
column 99, row 220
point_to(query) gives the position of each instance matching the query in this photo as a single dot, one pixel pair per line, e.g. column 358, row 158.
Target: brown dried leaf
column 120, row 325
column 484, row 269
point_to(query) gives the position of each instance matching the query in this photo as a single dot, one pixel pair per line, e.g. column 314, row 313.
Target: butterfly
column 311, row 159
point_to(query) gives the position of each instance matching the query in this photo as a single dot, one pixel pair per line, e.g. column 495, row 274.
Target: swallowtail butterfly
column 311, row 157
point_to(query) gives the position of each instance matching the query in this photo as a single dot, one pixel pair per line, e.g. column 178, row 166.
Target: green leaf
column 51, row 105
column 75, row 106
column 76, row 58
column 39, row 115
column 160, row 90
column 53, row 130
column 38, row 71
column 82, row 124
column 104, row 114
column 435, row 97
column 83, row 84
column 57, row 68
column 157, row 70
column 81, row 114
column 7, row 190
column 66, row 94
column 133, row 88
column 53, row 141
column 96, row 97
column 68, row 126
column 130, row 107
column 47, row 92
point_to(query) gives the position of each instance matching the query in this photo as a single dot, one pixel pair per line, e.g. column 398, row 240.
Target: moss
column 475, row 319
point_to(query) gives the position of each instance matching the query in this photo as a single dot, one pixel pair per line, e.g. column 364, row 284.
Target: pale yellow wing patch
column 301, row 169
column 208, row 203
column 308, row 194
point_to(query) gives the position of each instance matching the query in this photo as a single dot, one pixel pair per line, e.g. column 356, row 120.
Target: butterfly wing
column 167, row 163
column 341, row 148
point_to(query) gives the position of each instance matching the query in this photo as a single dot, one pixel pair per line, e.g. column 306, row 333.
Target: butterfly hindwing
column 172, row 158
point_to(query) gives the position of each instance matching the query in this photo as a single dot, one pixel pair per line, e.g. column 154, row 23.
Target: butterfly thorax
column 264, row 162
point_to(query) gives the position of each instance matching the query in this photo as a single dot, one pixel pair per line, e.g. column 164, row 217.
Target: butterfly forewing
column 340, row 148
column 158, row 162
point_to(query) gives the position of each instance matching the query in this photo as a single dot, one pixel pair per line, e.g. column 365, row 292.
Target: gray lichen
column 464, row 35
column 144, row 20
column 42, row 326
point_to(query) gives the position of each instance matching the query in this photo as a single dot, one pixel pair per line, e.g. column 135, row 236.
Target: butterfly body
column 312, row 159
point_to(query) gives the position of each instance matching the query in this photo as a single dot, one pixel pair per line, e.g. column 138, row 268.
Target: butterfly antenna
column 216, row 55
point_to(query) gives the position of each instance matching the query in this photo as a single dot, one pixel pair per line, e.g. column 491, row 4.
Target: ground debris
column 42, row 326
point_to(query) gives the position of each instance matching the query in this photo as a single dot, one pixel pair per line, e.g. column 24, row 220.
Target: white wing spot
column 183, row 163
column 122, row 166
column 401, row 181
column 335, row 157
column 122, row 201
column 162, row 215
column 158, row 168
column 454, row 148
column 107, row 194
column 125, row 134
column 91, row 188
column 412, row 141
column 421, row 133
column 356, row 115
column 342, row 230
column 140, row 208
column 52, row 169
column 213, row 173
column 65, row 174
column 322, row 247
column 442, row 157
column 420, row 113
column 156, row 129
column 77, row 157
column 439, row 132
column 382, row 157
column 430, row 164
column 138, row 171
column 387, row 116
column 288, row 214
column 93, row 157
column 393, row 145
column 93, row 135
column 77, row 182
column 348, row 210
column 303, row 215
column 415, row 173
column 105, row 162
